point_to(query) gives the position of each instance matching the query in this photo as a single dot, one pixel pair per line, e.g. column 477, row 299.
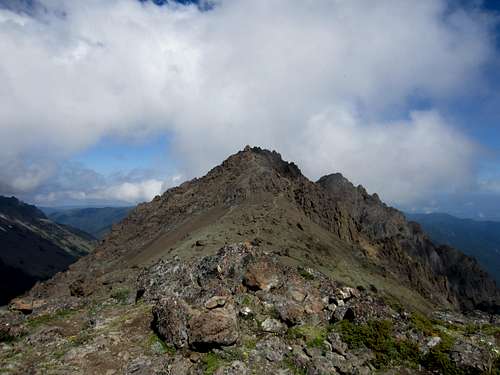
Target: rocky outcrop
column 304, row 322
column 404, row 247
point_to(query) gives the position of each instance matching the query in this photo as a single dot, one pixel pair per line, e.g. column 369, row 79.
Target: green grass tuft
column 211, row 362
column 314, row 336
column 121, row 295
column 47, row 319
column 423, row 324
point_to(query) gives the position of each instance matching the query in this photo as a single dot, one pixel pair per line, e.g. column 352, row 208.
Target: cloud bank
column 332, row 84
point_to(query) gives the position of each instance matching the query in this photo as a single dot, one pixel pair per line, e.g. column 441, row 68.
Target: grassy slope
column 277, row 224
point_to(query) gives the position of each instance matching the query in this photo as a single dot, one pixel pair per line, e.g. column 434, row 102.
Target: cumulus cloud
column 329, row 83
column 122, row 193
column 75, row 184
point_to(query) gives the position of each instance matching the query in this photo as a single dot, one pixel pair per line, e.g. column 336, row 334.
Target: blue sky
column 127, row 98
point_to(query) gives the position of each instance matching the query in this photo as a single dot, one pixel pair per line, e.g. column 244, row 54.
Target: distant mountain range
column 96, row 221
column 479, row 239
column 34, row 248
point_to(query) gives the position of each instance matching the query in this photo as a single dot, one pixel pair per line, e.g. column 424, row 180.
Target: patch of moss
column 211, row 362
column 250, row 344
column 157, row 345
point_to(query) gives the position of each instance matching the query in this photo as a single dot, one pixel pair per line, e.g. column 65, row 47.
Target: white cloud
column 317, row 80
column 126, row 192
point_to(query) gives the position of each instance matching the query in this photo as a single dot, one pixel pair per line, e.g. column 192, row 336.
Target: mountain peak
column 263, row 159
column 13, row 207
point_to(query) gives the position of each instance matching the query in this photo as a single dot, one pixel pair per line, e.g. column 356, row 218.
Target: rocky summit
column 255, row 269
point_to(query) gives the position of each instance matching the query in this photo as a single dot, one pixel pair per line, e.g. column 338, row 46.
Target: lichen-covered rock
column 291, row 312
column 170, row 320
column 82, row 287
column 213, row 328
column 273, row 326
column 262, row 275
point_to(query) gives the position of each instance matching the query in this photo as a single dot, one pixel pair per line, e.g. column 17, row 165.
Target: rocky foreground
column 241, row 311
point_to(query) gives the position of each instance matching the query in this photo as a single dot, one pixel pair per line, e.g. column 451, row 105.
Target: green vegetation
column 49, row 318
column 157, row 345
column 246, row 301
column 296, row 370
column 377, row 336
column 423, row 324
column 438, row 358
column 250, row 344
column 314, row 336
column 6, row 337
column 211, row 362
column 121, row 295
column 305, row 274
column 81, row 339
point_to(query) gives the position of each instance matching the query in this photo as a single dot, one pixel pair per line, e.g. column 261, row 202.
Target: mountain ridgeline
column 253, row 268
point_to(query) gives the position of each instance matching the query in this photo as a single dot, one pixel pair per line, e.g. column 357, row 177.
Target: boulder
column 337, row 344
column 262, row 275
column 291, row 312
column 170, row 317
column 213, row 328
column 215, row 301
column 81, row 288
column 272, row 325
column 25, row 305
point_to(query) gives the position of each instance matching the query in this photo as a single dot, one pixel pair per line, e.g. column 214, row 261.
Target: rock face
column 255, row 269
column 33, row 248
column 458, row 277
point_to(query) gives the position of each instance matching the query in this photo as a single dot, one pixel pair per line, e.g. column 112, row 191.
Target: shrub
column 314, row 336
column 422, row 323
column 121, row 295
column 438, row 358
column 377, row 336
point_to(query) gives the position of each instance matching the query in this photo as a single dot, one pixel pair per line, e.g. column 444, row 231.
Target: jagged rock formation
column 478, row 239
column 315, row 269
column 33, row 248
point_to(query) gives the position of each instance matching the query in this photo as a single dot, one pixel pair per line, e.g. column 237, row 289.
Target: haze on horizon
column 113, row 102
